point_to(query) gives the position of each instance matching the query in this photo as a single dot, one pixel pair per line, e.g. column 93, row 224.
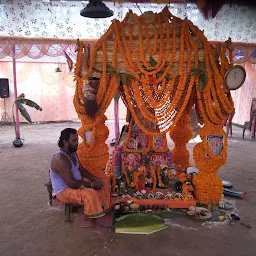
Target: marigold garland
column 158, row 172
column 208, row 164
column 166, row 104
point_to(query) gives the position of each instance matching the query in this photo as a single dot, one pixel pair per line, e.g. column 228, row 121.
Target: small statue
column 148, row 178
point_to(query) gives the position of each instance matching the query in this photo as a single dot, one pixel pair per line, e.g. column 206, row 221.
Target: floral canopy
column 162, row 66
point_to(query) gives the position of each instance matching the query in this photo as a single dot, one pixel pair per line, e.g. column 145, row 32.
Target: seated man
column 93, row 192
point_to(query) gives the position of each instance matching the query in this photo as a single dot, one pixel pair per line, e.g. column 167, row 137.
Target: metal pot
column 18, row 143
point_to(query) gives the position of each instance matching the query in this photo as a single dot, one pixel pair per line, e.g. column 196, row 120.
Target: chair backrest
column 253, row 111
column 253, row 106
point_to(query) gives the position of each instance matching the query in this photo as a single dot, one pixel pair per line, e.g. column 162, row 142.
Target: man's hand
column 97, row 184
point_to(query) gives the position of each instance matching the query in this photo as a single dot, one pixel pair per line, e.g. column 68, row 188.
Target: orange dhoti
column 96, row 202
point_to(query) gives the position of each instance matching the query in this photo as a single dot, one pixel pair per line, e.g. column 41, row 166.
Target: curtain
column 40, row 83
column 53, row 91
column 243, row 96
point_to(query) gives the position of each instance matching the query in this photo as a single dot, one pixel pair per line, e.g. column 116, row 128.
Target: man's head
column 68, row 140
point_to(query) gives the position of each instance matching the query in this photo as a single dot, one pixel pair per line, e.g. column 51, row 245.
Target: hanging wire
column 138, row 7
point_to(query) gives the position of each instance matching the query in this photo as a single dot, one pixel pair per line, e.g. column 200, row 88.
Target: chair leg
column 227, row 128
column 230, row 128
column 67, row 212
column 243, row 131
column 253, row 129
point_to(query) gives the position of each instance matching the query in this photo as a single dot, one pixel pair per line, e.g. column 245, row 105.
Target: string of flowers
column 153, row 175
column 166, row 104
column 160, row 182
column 170, row 175
column 126, row 173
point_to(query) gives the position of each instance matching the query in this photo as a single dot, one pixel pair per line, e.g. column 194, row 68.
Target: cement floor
column 28, row 226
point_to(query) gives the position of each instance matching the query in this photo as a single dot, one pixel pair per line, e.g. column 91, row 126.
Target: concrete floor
column 28, row 226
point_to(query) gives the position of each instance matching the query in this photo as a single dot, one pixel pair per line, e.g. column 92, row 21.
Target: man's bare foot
column 101, row 230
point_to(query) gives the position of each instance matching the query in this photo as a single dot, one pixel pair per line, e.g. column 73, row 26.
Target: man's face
column 73, row 143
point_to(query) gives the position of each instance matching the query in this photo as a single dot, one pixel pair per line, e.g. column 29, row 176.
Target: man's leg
column 84, row 196
column 104, row 192
column 92, row 205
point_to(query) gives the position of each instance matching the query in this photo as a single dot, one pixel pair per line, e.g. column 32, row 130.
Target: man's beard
column 72, row 149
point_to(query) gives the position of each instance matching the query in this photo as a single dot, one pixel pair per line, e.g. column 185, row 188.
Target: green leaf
column 205, row 76
column 123, row 79
column 201, row 65
column 110, row 69
column 128, row 76
column 118, row 79
column 195, row 71
column 200, row 85
column 117, row 96
column 158, row 75
column 30, row 103
column 22, row 96
column 152, row 61
column 24, row 112
column 144, row 67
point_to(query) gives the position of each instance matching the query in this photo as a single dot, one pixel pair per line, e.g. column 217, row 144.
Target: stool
column 49, row 189
column 67, row 207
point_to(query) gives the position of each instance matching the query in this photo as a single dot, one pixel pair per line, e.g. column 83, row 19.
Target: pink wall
column 52, row 91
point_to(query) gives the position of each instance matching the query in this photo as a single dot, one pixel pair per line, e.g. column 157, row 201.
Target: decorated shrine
column 162, row 67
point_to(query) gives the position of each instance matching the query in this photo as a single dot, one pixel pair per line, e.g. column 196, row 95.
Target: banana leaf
column 30, row 103
column 22, row 96
column 24, row 112
column 139, row 223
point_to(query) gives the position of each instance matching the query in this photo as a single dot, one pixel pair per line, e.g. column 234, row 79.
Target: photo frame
column 130, row 159
column 142, row 141
column 132, row 143
column 215, row 143
column 159, row 142
column 159, row 159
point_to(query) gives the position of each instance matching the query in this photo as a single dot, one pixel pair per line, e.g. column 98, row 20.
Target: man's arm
column 63, row 167
column 96, row 182
column 86, row 173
